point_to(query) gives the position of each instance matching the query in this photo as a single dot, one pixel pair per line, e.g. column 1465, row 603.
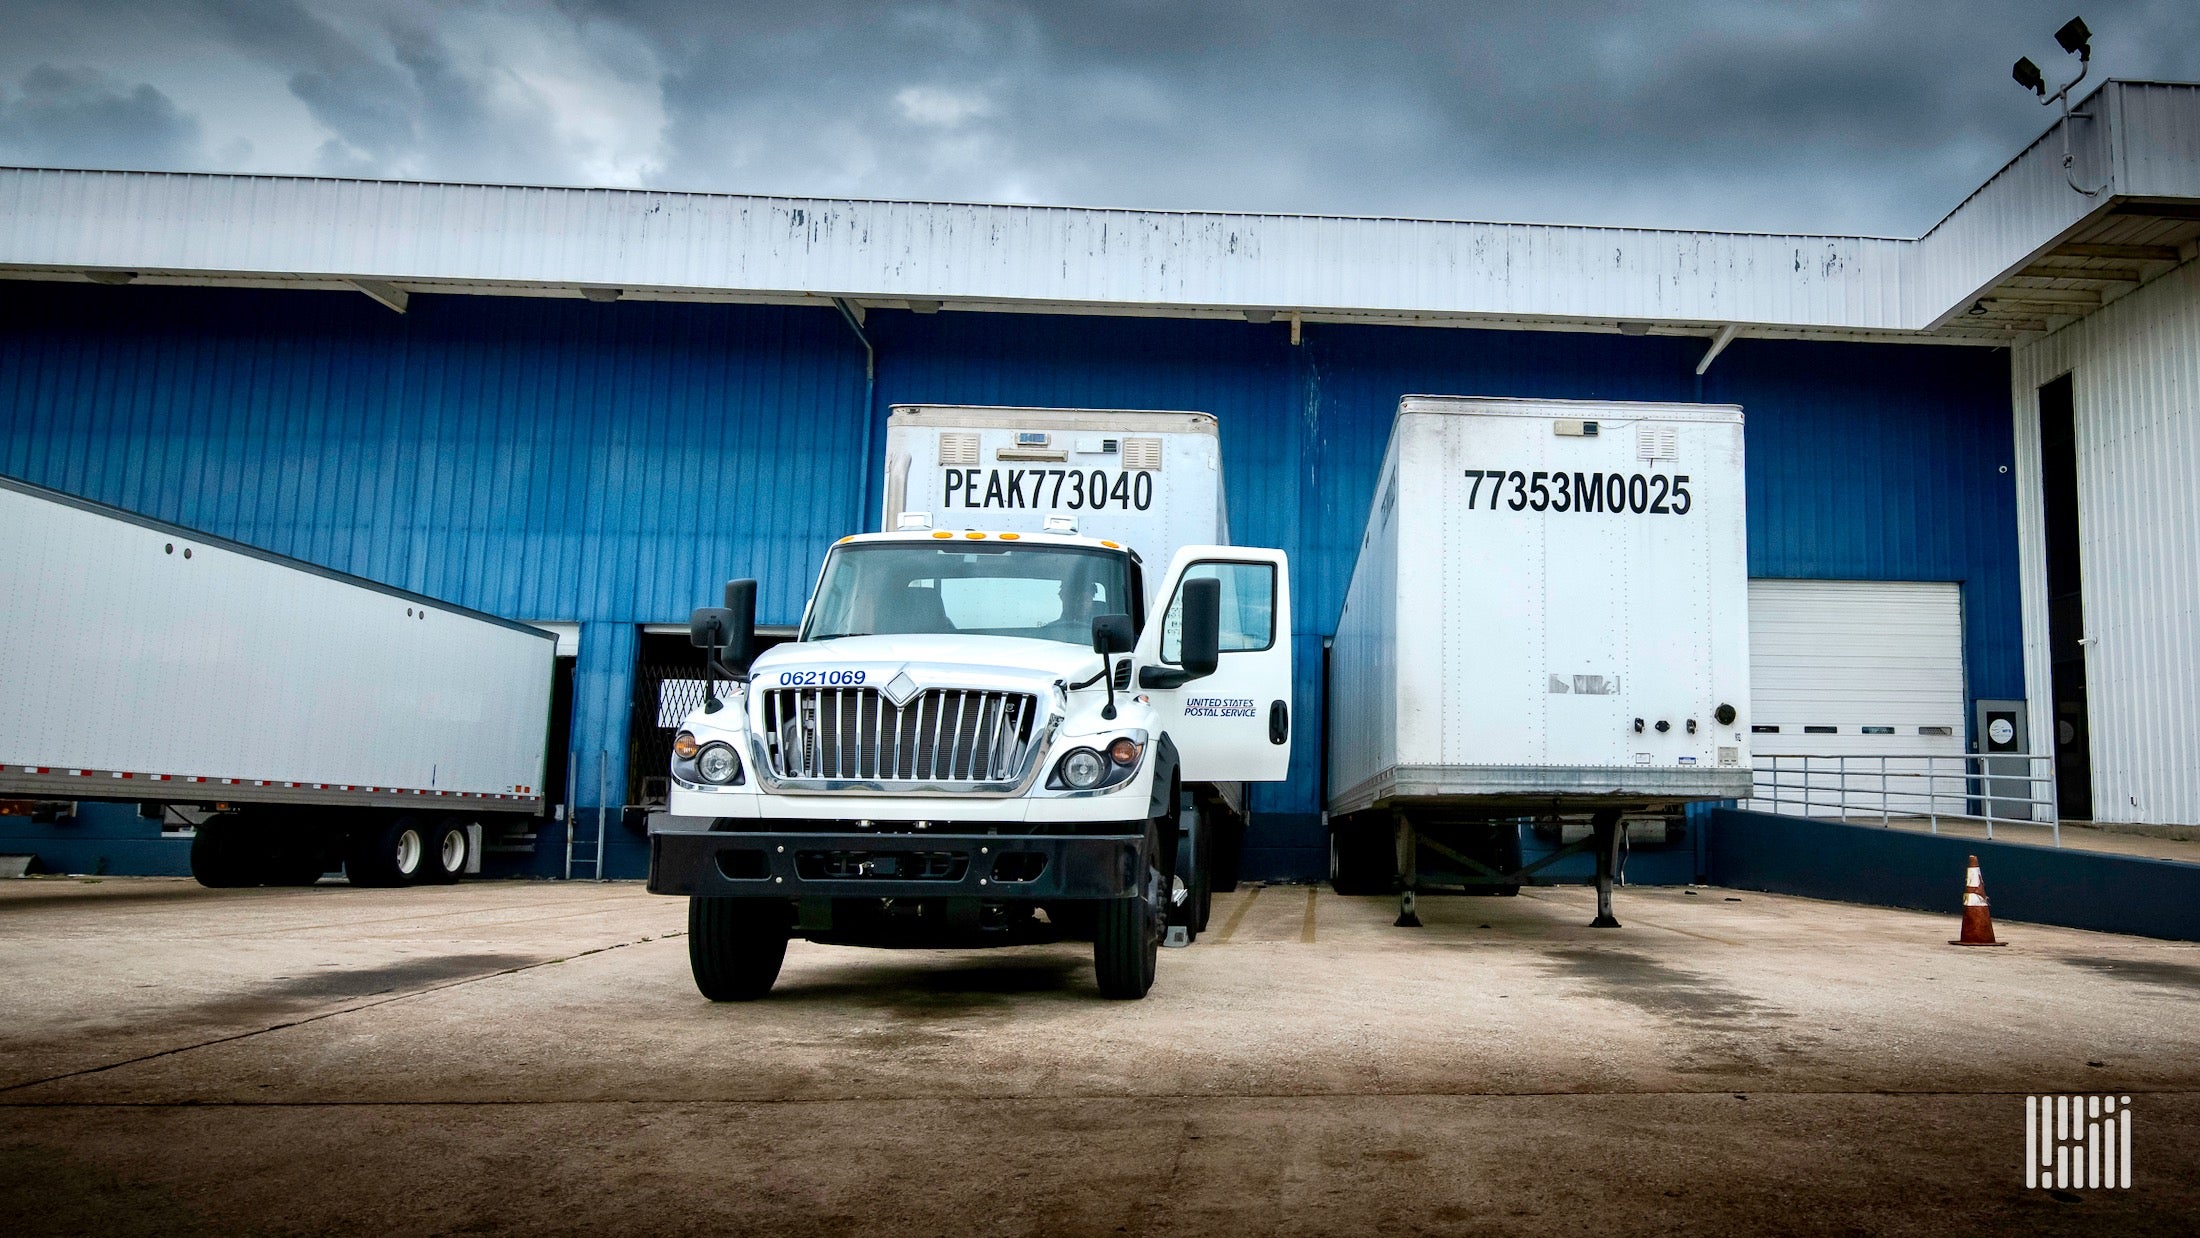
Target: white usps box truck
column 1037, row 691
column 1548, row 621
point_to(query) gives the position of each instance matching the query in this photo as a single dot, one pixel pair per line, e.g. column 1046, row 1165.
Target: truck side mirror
column 740, row 633
column 1112, row 634
column 707, row 627
column 1201, row 638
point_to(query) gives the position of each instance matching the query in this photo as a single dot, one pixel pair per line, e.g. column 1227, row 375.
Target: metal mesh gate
column 668, row 685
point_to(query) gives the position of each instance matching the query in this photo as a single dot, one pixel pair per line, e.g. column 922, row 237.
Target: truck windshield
column 996, row 589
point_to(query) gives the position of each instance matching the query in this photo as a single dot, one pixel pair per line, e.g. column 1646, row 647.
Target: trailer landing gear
column 1468, row 862
column 1605, row 824
column 1409, row 869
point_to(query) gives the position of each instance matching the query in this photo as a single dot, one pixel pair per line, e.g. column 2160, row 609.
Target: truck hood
column 931, row 661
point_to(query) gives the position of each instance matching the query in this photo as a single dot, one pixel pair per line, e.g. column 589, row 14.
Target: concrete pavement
column 530, row 1056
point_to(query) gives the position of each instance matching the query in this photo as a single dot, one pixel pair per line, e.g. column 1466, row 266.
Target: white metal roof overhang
column 2023, row 252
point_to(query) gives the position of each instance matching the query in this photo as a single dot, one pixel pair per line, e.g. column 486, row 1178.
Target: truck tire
column 225, row 853
column 1195, row 854
column 1126, row 938
column 295, row 868
column 389, row 853
column 450, row 845
column 293, row 852
column 1361, row 860
column 1225, row 848
column 736, row 946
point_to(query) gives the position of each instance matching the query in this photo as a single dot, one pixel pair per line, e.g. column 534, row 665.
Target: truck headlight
column 1083, row 768
column 1088, row 769
column 716, row 763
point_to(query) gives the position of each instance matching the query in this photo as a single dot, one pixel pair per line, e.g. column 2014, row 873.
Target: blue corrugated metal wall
column 611, row 463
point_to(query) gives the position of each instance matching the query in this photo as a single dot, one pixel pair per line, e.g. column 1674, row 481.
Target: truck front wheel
column 1126, row 939
column 736, row 946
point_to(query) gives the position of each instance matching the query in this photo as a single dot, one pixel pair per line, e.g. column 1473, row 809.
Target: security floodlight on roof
column 2077, row 40
column 2074, row 37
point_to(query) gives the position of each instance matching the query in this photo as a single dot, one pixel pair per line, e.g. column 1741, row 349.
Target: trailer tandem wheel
column 223, row 853
column 388, row 853
column 449, row 846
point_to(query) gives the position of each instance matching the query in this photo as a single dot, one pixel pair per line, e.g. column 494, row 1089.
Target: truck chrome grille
column 944, row 735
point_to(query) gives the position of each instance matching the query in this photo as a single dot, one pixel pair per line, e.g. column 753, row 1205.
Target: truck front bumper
column 687, row 856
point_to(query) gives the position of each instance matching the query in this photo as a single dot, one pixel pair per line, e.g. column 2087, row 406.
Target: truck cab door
column 1234, row 725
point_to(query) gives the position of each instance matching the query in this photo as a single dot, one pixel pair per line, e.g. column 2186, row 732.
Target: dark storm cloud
column 366, row 102
column 73, row 115
column 1868, row 116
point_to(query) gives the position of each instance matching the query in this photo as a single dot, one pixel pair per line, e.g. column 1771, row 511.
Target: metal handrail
column 1968, row 786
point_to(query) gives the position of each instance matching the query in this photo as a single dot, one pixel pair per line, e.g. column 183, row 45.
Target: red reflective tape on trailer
column 120, row 774
column 161, row 778
column 81, row 773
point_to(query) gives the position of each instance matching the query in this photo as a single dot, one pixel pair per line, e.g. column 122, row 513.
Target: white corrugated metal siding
column 1050, row 255
column 1002, row 257
column 2135, row 377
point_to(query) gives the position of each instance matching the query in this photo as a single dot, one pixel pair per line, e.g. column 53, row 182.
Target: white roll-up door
column 1856, row 692
column 1855, row 666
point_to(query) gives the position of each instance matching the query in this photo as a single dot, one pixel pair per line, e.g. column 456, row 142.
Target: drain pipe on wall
column 852, row 314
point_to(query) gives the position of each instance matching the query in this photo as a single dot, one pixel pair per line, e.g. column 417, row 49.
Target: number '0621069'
column 1542, row 490
column 820, row 679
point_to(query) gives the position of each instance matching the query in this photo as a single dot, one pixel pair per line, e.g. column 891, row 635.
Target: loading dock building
column 1971, row 454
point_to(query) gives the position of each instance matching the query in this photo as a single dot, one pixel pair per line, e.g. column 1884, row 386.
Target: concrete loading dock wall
column 1903, row 868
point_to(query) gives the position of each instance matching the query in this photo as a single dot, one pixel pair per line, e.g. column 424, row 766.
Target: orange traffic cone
column 1978, row 924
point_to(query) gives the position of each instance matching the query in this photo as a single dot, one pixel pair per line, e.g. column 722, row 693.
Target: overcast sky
column 1861, row 117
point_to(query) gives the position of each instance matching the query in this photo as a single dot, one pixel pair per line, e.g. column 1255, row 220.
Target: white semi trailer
column 1548, row 622
column 300, row 717
column 1039, row 691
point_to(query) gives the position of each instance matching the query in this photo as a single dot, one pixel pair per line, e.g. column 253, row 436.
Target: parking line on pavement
column 1306, row 934
column 1237, row 915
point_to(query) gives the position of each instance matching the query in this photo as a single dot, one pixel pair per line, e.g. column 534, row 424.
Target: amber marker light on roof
column 1010, row 537
column 974, row 534
column 943, row 533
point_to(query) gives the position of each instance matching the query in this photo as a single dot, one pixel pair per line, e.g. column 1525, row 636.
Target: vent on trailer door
column 958, row 449
column 1657, row 442
column 1142, row 453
